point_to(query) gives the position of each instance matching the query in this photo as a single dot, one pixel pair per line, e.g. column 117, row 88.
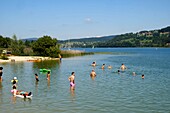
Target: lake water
column 108, row 92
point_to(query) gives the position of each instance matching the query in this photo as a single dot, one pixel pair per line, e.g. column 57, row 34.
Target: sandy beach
column 27, row 58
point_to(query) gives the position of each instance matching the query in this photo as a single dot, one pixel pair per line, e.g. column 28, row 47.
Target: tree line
column 44, row 46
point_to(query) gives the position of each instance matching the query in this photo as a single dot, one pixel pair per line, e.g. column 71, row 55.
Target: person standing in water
column 36, row 77
column 93, row 64
column 1, row 68
column 14, row 81
column 103, row 66
column 72, row 81
column 123, row 67
column 48, row 75
column 93, row 73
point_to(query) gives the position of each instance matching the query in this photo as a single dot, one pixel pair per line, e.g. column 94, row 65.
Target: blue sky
column 68, row 19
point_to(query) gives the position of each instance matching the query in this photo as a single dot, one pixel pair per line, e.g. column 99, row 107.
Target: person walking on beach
column 48, row 75
column 123, row 67
column 36, row 77
column 1, row 68
column 72, row 81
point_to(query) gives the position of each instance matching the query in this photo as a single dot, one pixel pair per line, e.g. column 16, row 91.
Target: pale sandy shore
column 27, row 58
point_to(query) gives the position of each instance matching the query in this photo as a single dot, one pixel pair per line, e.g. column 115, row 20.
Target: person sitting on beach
column 93, row 64
column 72, row 80
column 1, row 68
column 123, row 67
column 48, row 75
column 93, row 73
column 36, row 77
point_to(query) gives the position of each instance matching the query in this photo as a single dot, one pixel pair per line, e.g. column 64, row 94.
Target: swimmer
column 123, row 67
column 72, row 80
column 93, row 73
column 143, row 76
column 118, row 71
column 109, row 67
column 19, row 92
column 93, row 64
column 134, row 74
column 103, row 66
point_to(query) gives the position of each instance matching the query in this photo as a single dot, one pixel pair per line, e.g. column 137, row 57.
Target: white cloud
column 88, row 20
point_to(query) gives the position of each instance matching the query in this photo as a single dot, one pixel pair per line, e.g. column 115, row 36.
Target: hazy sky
column 68, row 19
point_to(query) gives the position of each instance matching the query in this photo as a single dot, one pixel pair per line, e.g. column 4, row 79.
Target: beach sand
column 27, row 58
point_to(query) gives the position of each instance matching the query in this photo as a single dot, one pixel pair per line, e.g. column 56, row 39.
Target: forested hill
column 84, row 42
column 152, row 38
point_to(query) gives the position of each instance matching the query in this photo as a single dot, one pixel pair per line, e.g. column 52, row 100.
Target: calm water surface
column 109, row 92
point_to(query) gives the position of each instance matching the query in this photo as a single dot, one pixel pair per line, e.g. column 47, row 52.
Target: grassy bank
column 72, row 53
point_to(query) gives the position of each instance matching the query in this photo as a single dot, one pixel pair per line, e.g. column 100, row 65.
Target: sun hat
column 15, row 78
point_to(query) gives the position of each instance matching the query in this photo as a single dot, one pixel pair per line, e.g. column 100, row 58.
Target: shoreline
column 27, row 59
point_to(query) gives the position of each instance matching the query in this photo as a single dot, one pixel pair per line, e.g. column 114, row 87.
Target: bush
column 3, row 57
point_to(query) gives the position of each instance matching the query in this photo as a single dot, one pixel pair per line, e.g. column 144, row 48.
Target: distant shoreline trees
column 44, row 46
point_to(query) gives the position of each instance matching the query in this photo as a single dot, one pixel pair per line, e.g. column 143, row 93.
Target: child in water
column 14, row 81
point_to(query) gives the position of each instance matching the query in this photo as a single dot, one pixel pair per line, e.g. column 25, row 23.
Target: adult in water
column 103, row 66
column 1, row 68
column 72, row 81
column 93, row 64
column 48, row 75
column 123, row 67
column 36, row 77
column 93, row 73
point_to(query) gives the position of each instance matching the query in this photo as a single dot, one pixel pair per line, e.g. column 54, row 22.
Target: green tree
column 15, row 45
column 46, row 46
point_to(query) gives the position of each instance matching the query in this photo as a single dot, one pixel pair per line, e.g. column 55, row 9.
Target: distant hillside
column 84, row 42
column 29, row 39
column 152, row 38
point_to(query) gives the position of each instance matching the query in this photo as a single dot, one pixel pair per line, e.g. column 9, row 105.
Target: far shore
column 65, row 53
column 27, row 58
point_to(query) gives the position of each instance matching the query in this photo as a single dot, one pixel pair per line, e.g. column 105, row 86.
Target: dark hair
column 36, row 74
column 1, row 68
column 72, row 73
column 14, row 82
column 14, row 87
